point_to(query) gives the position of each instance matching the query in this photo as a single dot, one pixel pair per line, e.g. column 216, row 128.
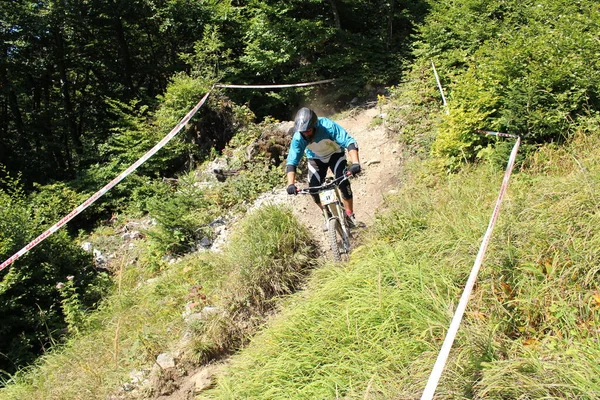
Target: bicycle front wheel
column 338, row 240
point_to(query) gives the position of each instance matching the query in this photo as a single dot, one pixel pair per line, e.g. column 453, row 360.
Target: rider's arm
column 353, row 153
column 291, row 177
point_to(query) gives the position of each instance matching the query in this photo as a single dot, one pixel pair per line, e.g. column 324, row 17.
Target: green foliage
column 210, row 60
column 28, row 293
column 182, row 220
column 517, row 67
column 414, row 109
column 247, row 185
column 71, row 305
column 52, row 202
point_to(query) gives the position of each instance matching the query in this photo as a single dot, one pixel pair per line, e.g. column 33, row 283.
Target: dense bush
column 526, row 68
column 32, row 319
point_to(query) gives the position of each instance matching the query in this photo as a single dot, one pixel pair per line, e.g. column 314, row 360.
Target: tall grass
column 267, row 258
column 373, row 328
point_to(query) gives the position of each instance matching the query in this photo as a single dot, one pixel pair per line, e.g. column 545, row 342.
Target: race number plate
column 327, row 197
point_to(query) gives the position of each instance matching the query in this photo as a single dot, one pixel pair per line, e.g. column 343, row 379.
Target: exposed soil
column 380, row 158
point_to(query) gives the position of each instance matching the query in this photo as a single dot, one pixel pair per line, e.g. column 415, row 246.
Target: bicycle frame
column 334, row 214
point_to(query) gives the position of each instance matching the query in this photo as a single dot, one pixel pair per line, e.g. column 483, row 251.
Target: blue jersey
column 330, row 138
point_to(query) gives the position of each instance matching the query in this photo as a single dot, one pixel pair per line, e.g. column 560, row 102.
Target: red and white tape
column 139, row 162
column 109, row 186
column 275, row 86
column 442, row 358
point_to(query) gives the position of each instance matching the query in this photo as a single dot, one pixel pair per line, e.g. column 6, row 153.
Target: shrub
column 28, row 293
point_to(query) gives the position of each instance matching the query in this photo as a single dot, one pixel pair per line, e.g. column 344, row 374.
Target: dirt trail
column 380, row 158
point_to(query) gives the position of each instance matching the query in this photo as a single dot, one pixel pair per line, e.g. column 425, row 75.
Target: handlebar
column 325, row 186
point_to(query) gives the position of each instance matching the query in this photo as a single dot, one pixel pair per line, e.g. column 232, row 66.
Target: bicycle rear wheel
column 338, row 240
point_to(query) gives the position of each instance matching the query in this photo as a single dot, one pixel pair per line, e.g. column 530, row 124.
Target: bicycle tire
column 338, row 240
column 335, row 239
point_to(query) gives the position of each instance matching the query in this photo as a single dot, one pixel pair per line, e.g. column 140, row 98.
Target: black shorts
column 317, row 170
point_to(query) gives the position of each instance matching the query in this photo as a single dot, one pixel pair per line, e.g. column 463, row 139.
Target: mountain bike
column 338, row 231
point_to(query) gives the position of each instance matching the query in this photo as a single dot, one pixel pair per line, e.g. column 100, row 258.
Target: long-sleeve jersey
column 330, row 138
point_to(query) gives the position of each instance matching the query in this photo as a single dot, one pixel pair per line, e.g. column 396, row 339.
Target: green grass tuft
column 373, row 328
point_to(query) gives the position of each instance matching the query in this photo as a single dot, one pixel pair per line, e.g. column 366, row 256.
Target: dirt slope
column 381, row 159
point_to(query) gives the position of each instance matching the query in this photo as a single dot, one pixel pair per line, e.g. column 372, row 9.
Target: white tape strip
column 109, row 186
column 437, row 79
column 442, row 358
column 274, row 86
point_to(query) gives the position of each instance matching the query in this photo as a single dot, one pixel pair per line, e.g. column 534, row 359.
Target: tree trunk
column 49, row 145
column 16, row 112
column 390, row 25
column 336, row 15
column 123, row 49
column 66, row 97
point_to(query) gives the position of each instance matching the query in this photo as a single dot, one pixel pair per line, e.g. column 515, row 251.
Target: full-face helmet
column 305, row 119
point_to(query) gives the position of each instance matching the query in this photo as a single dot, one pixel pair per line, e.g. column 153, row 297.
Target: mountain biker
column 324, row 142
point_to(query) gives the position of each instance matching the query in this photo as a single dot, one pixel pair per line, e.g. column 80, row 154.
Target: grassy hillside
column 267, row 257
column 372, row 328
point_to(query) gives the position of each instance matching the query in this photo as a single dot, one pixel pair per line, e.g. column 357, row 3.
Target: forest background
column 88, row 87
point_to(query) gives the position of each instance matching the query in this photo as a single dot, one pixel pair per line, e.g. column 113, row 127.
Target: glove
column 354, row 168
column 291, row 189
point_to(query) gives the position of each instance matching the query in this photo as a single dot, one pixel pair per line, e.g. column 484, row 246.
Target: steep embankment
column 372, row 329
column 381, row 158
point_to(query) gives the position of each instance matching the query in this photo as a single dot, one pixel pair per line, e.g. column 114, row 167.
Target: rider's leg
column 316, row 175
column 317, row 170
column 348, row 205
column 337, row 163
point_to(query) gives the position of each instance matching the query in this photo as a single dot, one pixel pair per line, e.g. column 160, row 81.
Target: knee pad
column 346, row 190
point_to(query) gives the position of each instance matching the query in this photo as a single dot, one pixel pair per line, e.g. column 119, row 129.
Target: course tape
column 274, row 86
column 508, row 135
column 109, row 186
column 437, row 79
column 442, row 358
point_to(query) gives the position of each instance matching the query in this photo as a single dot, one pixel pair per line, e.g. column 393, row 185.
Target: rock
column 165, row 360
column 203, row 185
column 100, row 261
column 137, row 377
column 168, row 258
column 190, row 307
column 205, row 243
column 132, row 235
column 151, row 281
column 286, row 127
column 217, row 222
column 194, row 317
column 190, row 316
column 203, row 379
column 128, row 387
column 208, row 310
column 87, row 247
